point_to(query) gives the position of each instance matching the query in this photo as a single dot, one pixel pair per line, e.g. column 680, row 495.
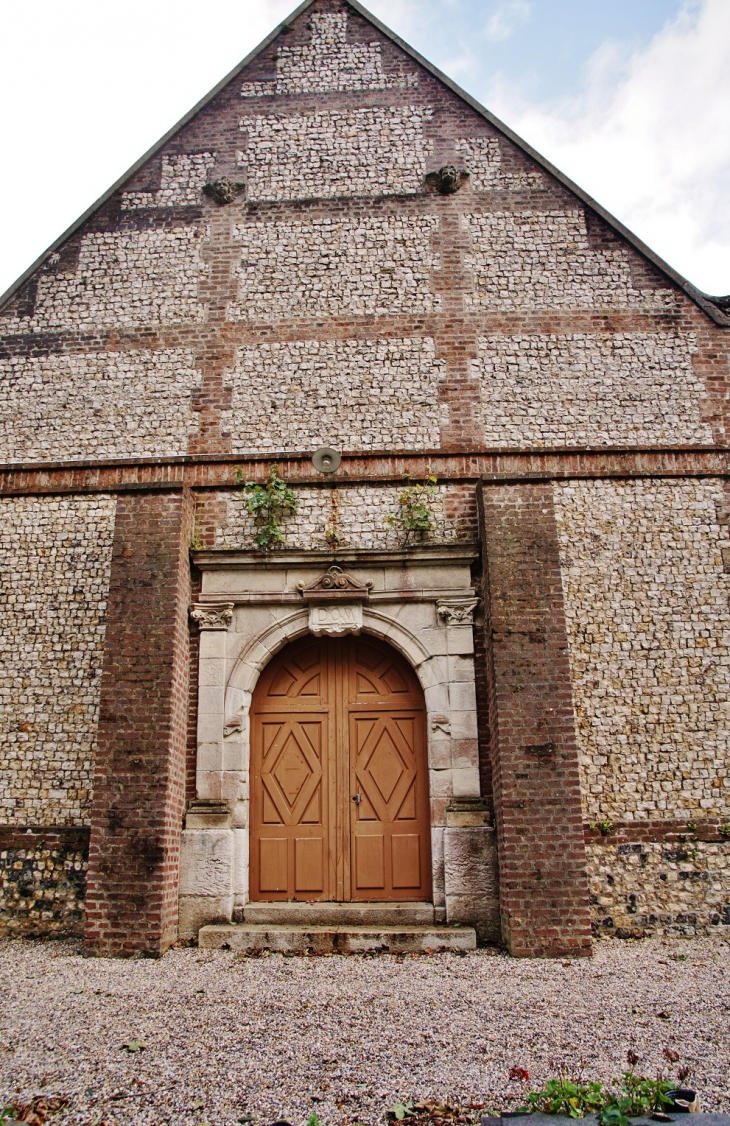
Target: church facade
column 366, row 533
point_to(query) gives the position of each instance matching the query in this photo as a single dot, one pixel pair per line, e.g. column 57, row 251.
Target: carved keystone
column 336, row 620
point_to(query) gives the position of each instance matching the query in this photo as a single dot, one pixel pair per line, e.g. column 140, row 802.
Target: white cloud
column 510, row 15
column 649, row 139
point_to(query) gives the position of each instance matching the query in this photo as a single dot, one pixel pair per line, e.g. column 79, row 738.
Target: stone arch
column 256, row 655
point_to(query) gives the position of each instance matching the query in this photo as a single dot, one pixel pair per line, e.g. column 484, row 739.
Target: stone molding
column 212, row 617
column 336, row 584
column 336, row 620
column 456, row 611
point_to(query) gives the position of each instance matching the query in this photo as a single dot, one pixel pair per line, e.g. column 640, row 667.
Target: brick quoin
column 542, row 863
column 139, row 780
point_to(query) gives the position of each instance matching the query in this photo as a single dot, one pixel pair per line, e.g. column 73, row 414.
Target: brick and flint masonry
column 340, row 300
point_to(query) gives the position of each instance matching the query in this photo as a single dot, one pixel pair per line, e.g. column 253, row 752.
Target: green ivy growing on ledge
column 415, row 509
column 269, row 505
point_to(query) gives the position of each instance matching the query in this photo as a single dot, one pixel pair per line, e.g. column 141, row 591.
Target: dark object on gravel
column 682, row 1099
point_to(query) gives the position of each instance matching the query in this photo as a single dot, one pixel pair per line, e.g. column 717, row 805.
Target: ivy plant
column 269, row 504
column 414, row 517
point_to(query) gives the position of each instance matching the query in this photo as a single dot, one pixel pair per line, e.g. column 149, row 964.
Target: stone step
column 340, row 914
column 293, row 939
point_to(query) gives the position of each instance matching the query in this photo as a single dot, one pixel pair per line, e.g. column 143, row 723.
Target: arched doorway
column 339, row 780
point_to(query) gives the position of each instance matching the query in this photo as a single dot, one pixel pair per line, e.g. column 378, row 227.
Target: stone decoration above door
column 335, row 620
column 336, row 585
column 404, row 597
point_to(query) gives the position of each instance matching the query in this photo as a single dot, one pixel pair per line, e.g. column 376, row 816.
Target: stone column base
column 206, row 867
column 470, row 868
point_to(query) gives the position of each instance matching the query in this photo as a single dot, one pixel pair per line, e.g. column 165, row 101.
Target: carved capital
column 456, row 611
column 336, row 620
column 335, row 585
column 212, row 617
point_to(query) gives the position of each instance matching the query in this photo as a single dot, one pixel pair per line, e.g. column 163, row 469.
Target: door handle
column 357, row 798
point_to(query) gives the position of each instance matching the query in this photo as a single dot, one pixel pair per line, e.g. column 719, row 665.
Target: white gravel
column 347, row 1037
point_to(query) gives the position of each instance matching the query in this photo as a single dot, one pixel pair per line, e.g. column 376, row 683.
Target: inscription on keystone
column 336, row 620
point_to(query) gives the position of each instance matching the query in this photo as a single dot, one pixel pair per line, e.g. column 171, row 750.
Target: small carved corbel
column 223, row 190
column 447, row 180
column 212, row 617
column 441, row 723
column 234, row 723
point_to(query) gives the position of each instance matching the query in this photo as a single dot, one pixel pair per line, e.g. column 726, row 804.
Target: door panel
column 389, row 773
column 334, row 719
column 273, row 875
column 291, row 749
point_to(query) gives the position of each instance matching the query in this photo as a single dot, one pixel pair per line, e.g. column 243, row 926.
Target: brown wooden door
column 339, row 788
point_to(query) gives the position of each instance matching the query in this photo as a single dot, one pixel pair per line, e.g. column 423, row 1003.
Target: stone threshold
column 347, row 914
column 302, row 939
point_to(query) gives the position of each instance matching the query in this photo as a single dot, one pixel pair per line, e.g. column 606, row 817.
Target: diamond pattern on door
column 385, row 767
column 335, row 719
column 291, row 771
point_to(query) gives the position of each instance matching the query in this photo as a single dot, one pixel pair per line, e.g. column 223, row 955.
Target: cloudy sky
column 630, row 98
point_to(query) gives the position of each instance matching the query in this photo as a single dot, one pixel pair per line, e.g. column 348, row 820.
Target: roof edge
column 703, row 300
column 152, row 151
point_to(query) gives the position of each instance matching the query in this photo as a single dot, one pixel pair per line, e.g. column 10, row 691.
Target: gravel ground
column 273, row 1037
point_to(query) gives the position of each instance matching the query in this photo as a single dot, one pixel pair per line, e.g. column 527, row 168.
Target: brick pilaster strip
column 139, row 779
column 543, row 885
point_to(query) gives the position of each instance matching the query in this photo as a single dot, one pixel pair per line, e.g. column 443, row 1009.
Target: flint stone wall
column 42, row 883
column 580, row 389
column 372, row 150
column 482, row 158
column 354, row 394
column 330, row 267
column 181, row 182
column 328, row 62
column 55, row 560
column 358, row 513
column 103, row 404
column 123, row 279
column 542, row 260
column 648, row 622
column 638, row 890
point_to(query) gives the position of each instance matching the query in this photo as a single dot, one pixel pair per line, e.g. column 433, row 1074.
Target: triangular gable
column 713, row 307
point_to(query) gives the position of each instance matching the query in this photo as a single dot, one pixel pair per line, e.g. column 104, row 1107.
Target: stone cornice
column 424, row 556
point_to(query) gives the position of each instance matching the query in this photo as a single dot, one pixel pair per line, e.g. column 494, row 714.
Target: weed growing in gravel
column 637, row 1096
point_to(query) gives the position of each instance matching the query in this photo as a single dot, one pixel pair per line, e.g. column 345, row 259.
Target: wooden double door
column 339, row 783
